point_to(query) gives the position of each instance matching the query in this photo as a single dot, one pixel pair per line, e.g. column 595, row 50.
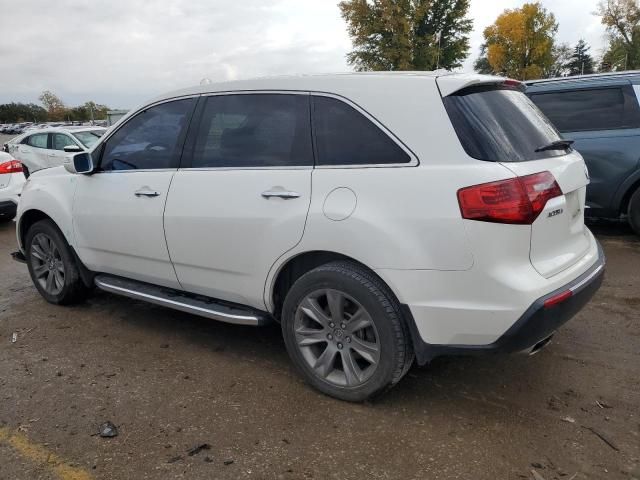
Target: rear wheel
column 52, row 266
column 344, row 330
column 634, row 211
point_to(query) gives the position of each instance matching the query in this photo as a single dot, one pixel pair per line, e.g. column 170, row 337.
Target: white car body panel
column 120, row 233
column 224, row 212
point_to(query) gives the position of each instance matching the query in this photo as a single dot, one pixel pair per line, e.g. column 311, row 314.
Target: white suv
column 378, row 217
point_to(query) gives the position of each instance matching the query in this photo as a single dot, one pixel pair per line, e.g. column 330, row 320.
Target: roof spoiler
column 449, row 84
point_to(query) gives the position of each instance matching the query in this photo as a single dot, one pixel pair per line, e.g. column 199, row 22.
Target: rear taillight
column 12, row 166
column 515, row 200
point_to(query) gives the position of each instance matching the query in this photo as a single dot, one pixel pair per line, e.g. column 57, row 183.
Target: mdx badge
column 553, row 213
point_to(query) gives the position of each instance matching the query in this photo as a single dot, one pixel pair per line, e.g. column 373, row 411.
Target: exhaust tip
column 540, row 345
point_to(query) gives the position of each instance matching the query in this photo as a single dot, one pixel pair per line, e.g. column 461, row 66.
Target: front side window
column 60, row 140
column 254, row 130
column 39, row 140
column 151, row 140
column 592, row 109
column 345, row 136
column 89, row 138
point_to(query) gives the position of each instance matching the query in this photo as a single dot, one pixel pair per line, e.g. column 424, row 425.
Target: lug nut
column 343, row 326
column 348, row 339
column 339, row 346
column 330, row 337
column 332, row 325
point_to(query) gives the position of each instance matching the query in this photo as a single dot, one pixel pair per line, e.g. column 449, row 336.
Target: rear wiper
column 557, row 145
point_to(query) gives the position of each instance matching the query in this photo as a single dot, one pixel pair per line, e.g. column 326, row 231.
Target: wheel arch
column 297, row 265
column 27, row 219
column 628, row 193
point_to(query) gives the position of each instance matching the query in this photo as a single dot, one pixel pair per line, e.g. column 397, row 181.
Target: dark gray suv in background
column 600, row 113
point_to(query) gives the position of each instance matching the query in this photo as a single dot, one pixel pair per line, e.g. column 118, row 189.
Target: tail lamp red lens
column 515, row 200
column 12, row 166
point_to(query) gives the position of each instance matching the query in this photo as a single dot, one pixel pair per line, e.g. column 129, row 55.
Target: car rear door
column 241, row 196
column 604, row 123
column 118, row 211
column 32, row 151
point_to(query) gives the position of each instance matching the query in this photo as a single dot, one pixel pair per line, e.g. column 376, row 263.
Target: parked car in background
column 601, row 115
column 11, row 182
column 377, row 217
column 45, row 148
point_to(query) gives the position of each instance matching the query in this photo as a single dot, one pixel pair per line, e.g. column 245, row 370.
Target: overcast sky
column 121, row 52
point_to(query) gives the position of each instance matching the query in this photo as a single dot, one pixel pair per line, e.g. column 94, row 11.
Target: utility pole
column 438, row 38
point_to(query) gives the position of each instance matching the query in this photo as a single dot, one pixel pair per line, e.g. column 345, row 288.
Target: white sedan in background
column 46, row 148
column 11, row 183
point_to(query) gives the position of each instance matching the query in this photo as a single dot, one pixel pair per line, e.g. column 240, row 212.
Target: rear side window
column 500, row 124
column 39, row 140
column 254, row 130
column 152, row 139
column 346, row 137
column 592, row 109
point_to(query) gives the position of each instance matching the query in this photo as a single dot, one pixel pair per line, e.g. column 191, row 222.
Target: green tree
column 407, row 34
column 580, row 62
column 520, row 44
column 622, row 21
column 22, row 112
column 482, row 65
column 561, row 57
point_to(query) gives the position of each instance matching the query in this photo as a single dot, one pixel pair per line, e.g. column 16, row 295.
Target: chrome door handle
column 146, row 193
column 286, row 194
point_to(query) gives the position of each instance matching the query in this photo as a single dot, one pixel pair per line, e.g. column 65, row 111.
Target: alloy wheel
column 47, row 264
column 337, row 337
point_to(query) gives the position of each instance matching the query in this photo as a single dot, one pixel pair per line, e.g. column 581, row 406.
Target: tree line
column 433, row 34
column 52, row 109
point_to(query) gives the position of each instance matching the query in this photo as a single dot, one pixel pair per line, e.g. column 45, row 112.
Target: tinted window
column 60, row 140
column 346, row 137
column 254, row 130
column 38, row 140
column 593, row 109
column 151, row 139
column 500, row 124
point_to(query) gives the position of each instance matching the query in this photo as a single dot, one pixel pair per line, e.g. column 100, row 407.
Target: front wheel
column 52, row 266
column 634, row 211
column 344, row 331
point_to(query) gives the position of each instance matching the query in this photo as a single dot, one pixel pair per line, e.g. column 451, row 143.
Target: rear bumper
column 8, row 209
column 535, row 325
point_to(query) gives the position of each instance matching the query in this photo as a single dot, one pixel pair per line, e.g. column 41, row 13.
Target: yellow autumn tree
column 520, row 44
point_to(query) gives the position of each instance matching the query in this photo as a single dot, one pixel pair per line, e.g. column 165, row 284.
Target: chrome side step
column 185, row 302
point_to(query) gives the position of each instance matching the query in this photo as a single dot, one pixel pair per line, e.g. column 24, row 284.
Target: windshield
column 501, row 124
column 88, row 138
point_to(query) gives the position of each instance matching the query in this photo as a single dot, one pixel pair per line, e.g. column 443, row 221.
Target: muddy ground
column 171, row 381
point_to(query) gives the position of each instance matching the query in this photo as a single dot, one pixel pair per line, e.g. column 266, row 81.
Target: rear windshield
column 500, row 124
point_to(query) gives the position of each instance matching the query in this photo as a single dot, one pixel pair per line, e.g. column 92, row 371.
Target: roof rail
column 626, row 73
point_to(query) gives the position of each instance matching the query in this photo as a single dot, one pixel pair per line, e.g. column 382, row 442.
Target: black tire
column 73, row 289
column 382, row 309
column 633, row 212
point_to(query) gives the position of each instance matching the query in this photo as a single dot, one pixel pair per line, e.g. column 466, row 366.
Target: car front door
column 118, row 210
column 241, row 196
column 56, row 154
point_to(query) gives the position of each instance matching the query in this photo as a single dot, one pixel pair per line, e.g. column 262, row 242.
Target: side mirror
column 78, row 163
column 72, row 149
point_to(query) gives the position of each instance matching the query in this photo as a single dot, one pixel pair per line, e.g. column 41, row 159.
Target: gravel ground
column 171, row 381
